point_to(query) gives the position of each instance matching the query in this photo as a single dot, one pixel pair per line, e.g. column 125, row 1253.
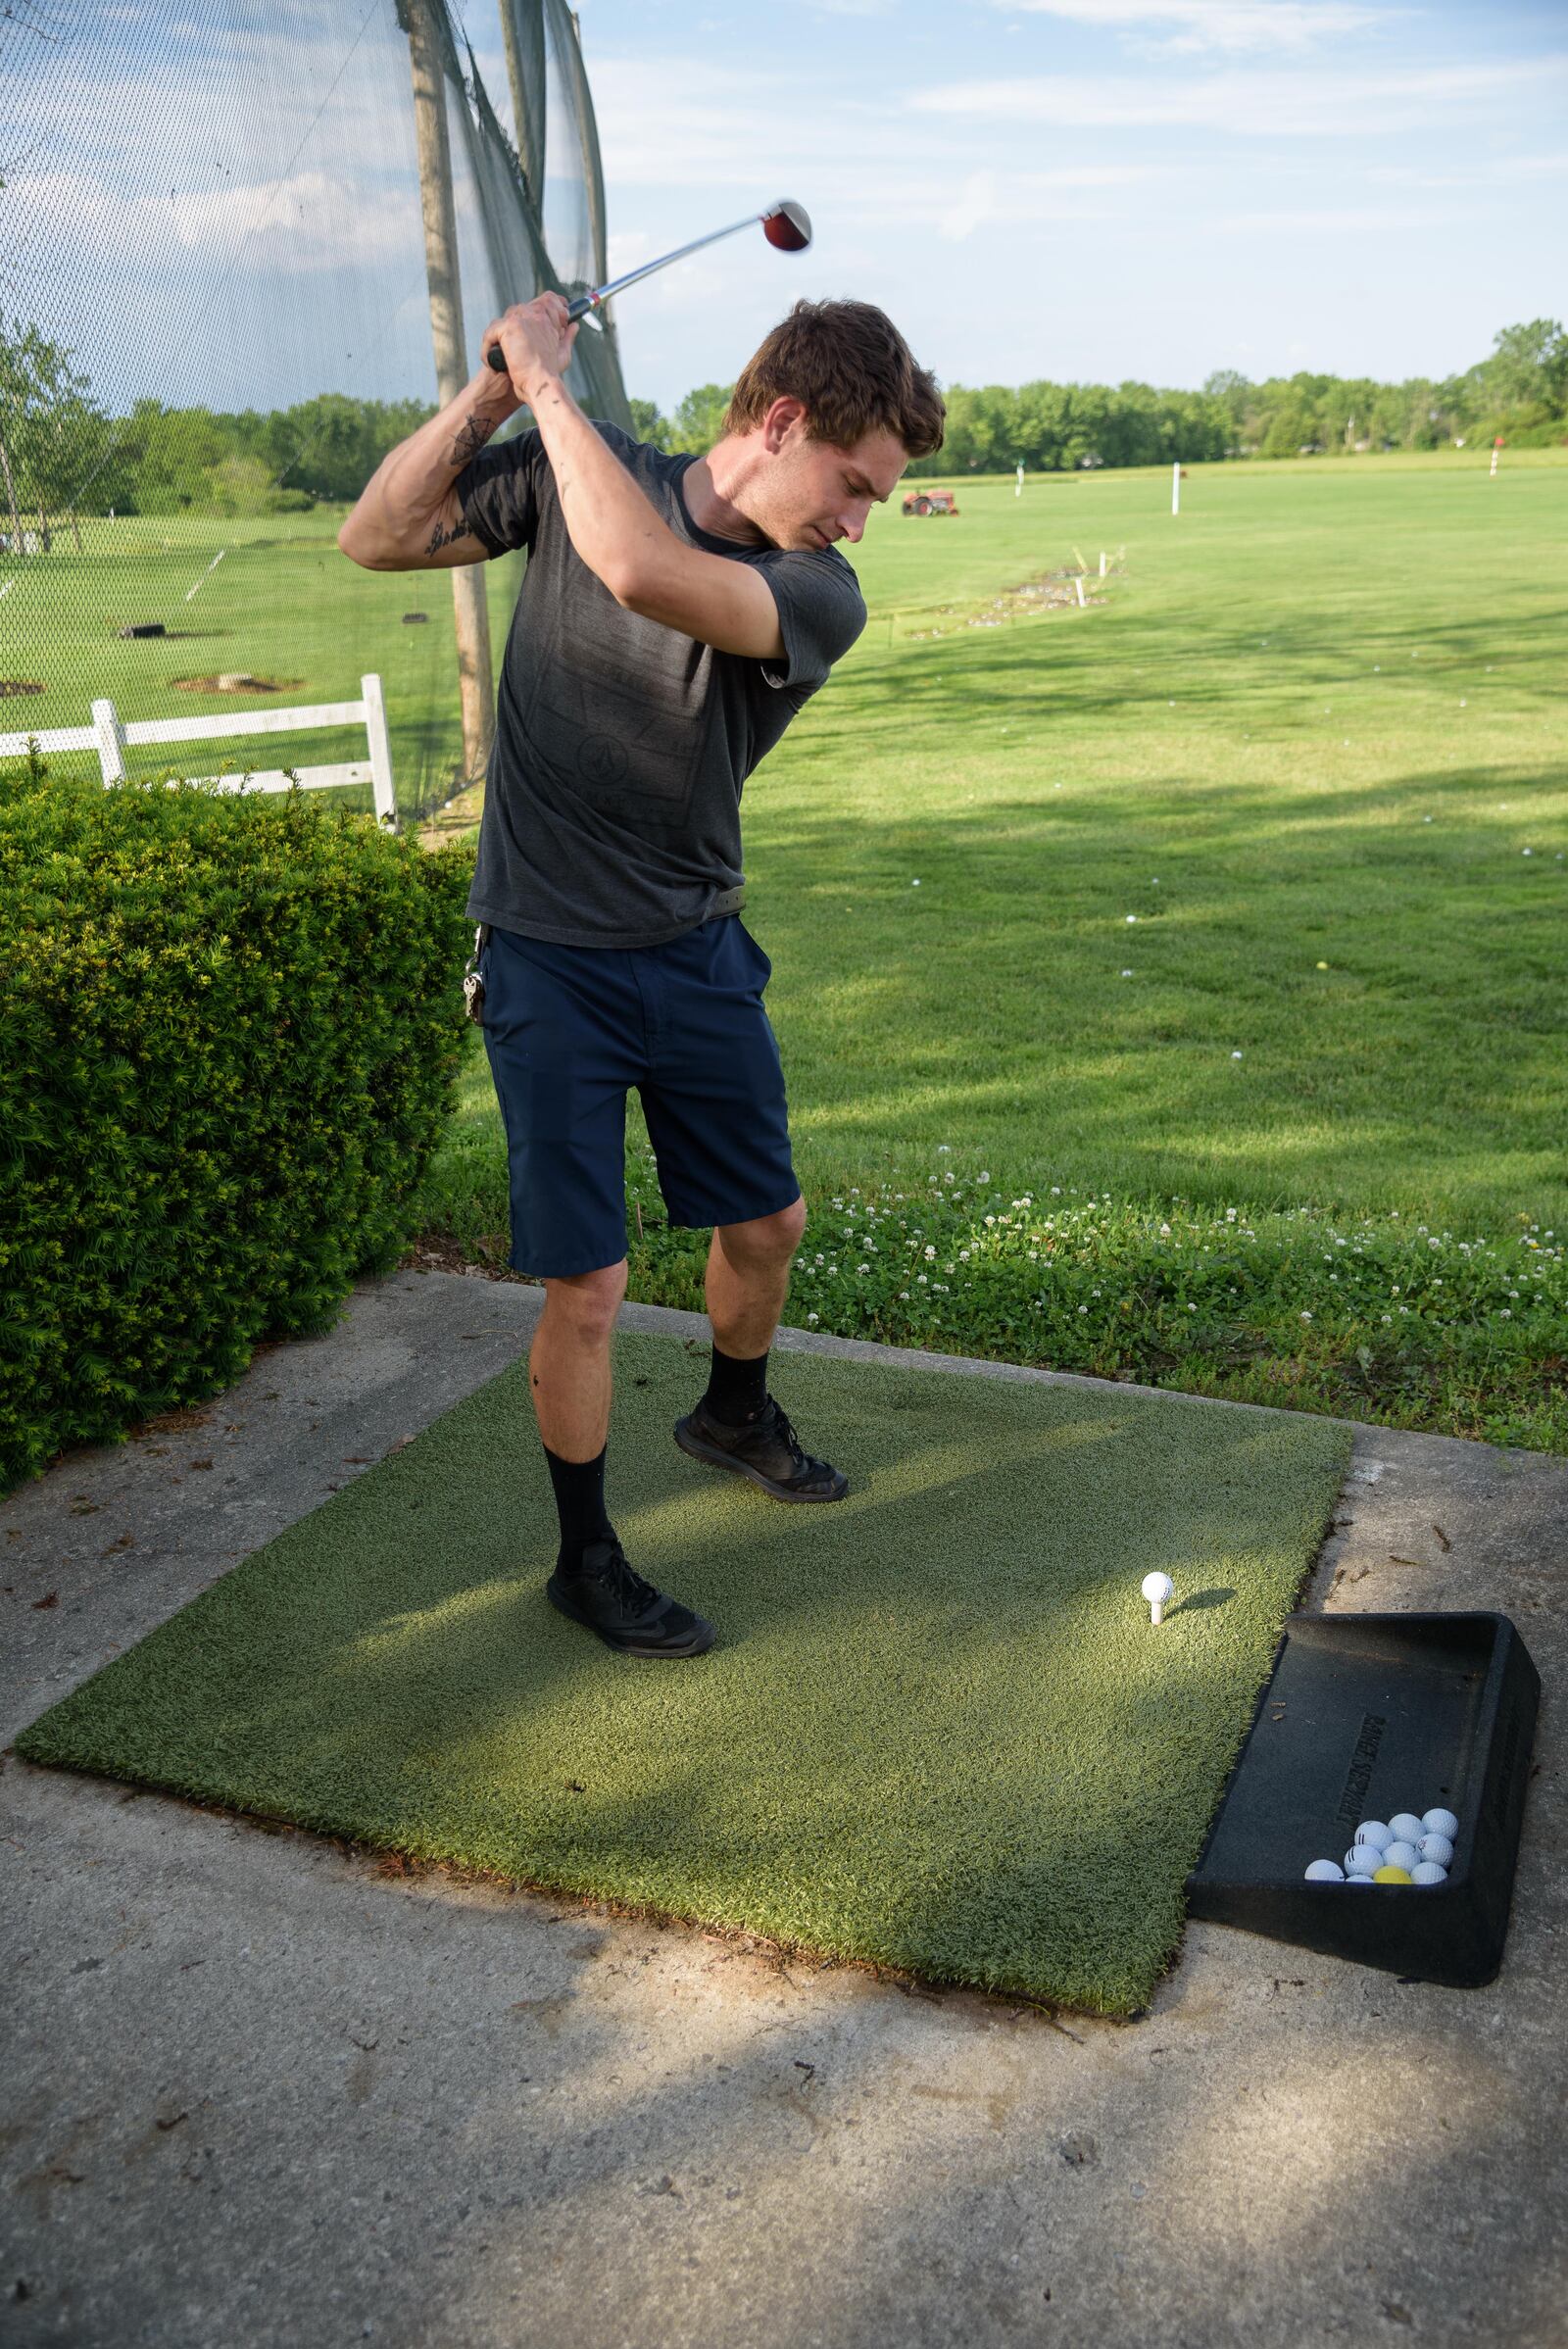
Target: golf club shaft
column 584, row 303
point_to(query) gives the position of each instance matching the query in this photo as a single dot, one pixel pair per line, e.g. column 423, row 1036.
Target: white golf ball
column 1405, row 1827
column 1325, row 1871
column 1401, row 1855
column 1157, row 1586
column 1440, row 1823
column 1429, row 1873
column 1373, row 1831
column 1362, row 1859
column 1356, row 1879
column 1436, row 1847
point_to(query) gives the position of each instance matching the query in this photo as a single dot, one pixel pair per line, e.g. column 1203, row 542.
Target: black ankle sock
column 736, row 1391
column 580, row 1501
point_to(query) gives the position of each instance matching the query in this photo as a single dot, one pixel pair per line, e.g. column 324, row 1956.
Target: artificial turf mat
column 938, row 1731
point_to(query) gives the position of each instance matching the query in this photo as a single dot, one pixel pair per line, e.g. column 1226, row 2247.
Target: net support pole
column 469, row 609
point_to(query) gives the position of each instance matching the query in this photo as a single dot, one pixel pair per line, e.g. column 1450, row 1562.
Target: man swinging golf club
column 675, row 614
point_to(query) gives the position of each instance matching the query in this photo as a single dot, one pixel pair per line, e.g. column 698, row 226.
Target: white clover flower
column 922, row 1281
column 1164, row 1231
column 812, row 1317
column 948, row 1177
column 963, row 1256
column 862, row 1268
column 1056, row 1193
column 985, row 1175
column 1505, row 1316
column 943, row 1147
column 903, row 1297
column 1082, row 1309
column 1306, row 1316
column 1191, row 1308
column 928, row 1251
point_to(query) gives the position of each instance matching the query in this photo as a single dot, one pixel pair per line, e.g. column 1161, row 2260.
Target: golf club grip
column 575, row 311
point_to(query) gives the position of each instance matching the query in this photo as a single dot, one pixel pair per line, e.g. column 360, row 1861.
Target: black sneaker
column 626, row 1612
column 765, row 1449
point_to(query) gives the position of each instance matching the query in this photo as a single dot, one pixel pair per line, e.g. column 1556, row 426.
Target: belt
column 728, row 901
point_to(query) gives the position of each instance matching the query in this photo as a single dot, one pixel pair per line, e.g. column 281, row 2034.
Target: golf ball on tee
column 1437, row 1849
column 1401, row 1855
column 1429, row 1873
column 1373, row 1831
column 1325, row 1871
column 1405, row 1827
column 1440, row 1823
column 1157, row 1588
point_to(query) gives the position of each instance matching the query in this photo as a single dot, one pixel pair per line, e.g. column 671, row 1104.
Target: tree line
column 62, row 456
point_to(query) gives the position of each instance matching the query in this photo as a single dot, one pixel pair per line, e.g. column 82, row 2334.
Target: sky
column 215, row 200
column 1092, row 189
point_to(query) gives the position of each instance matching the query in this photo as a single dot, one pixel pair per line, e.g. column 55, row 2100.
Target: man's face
column 811, row 494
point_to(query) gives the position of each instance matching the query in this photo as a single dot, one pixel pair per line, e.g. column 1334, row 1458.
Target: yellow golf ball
column 1391, row 1875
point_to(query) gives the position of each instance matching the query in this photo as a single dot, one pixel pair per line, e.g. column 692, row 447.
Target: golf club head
column 788, row 227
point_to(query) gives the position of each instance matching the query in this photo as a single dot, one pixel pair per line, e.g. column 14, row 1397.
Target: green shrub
column 230, row 1030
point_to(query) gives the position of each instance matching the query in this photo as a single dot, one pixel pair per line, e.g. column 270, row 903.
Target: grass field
column 1305, row 741
column 282, row 605
column 1299, row 775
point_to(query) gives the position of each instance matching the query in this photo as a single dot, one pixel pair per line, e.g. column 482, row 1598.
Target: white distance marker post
column 1017, row 487
column 1176, row 487
column 1159, row 1589
column 1497, row 446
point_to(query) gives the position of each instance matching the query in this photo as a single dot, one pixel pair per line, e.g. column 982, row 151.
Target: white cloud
column 1233, row 25
column 976, row 204
column 1298, row 104
column 312, row 220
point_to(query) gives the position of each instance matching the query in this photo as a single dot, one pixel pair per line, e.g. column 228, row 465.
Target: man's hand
column 535, row 340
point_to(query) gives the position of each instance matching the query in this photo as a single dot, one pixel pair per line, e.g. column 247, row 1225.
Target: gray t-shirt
column 612, row 811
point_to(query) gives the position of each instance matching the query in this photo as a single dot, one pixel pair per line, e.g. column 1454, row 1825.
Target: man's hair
column 851, row 370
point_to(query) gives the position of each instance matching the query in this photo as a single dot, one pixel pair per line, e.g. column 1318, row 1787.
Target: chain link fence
column 231, row 237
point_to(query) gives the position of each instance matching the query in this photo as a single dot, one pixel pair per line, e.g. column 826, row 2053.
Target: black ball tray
column 1364, row 1715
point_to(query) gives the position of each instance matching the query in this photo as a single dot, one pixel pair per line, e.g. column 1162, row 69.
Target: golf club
column 784, row 224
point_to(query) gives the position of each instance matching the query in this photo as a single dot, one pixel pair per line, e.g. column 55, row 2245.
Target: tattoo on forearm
column 469, row 439
column 441, row 537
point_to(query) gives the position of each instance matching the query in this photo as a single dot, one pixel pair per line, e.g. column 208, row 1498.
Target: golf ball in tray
column 1402, row 1850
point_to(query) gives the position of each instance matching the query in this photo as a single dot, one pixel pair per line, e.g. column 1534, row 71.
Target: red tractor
column 930, row 500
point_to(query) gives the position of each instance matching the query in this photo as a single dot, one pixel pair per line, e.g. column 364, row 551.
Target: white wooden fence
column 109, row 736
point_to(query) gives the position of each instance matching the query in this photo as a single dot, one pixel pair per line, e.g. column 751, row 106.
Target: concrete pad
column 262, row 2090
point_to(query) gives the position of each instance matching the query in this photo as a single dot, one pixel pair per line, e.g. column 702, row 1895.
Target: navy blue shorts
column 568, row 1029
